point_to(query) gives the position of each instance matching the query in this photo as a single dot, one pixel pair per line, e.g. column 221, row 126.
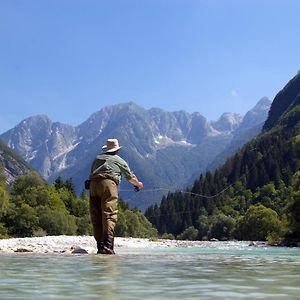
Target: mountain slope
column 12, row 163
column 254, row 194
column 42, row 143
column 286, row 99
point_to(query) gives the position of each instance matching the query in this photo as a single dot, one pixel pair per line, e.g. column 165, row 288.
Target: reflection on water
column 217, row 271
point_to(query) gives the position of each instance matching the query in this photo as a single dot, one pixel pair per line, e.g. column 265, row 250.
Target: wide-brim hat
column 112, row 145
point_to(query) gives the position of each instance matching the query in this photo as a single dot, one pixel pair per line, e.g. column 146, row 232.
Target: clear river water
column 215, row 271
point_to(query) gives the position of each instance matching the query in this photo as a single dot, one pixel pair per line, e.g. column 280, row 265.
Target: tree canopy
column 32, row 207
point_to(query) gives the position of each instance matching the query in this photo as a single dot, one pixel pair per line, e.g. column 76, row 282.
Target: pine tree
column 59, row 183
column 69, row 185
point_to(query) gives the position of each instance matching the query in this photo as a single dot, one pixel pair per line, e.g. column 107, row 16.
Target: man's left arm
column 134, row 180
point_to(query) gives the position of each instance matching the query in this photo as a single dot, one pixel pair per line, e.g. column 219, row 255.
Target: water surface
column 212, row 271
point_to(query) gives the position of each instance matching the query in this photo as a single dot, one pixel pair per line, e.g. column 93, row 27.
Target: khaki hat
column 112, row 145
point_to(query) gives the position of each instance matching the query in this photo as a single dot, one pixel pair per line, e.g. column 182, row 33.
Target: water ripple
column 230, row 271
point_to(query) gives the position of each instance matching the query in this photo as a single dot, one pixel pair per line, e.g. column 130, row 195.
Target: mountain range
column 167, row 150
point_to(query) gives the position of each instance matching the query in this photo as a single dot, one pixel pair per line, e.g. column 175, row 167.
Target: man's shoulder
column 110, row 157
column 119, row 158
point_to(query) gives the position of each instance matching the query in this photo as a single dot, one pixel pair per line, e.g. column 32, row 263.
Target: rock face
column 250, row 126
column 42, row 143
column 166, row 149
column 12, row 164
column 228, row 122
column 257, row 115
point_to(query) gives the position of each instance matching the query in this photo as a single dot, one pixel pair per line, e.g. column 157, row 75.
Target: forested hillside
column 285, row 100
column 254, row 195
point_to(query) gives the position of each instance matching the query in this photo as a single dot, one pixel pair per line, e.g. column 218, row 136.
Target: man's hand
column 136, row 182
column 140, row 185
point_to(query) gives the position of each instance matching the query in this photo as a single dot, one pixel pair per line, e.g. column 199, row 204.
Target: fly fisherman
column 105, row 177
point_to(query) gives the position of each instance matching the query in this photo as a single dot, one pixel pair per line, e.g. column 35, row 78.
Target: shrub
column 258, row 223
column 56, row 222
column 24, row 221
column 168, row 236
column 221, row 227
column 190, row 234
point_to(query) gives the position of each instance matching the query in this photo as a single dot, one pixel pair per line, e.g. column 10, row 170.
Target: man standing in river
column 106, row 172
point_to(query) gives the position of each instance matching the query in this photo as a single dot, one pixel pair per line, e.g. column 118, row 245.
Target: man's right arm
column 134, row 180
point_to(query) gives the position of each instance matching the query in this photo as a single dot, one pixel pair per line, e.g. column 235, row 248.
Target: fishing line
column 201, row 195
column 180, row 191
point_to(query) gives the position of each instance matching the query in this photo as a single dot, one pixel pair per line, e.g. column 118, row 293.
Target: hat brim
column 111, row 149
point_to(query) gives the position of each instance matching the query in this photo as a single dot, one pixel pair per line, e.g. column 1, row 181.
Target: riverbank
column 87, row 244
column 76, row 244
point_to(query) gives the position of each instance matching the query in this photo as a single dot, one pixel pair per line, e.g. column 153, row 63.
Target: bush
column 39, row 232
column 132, row 223
column 24, row 221
column 293, row 210
column 83, row 225
column 3, row 231
column 4, row 200
column 121, row 227
column 189, row 234
column 258, row 223
column 56, row 222
column 221, row 227
column 24, row 182
column 168, row 236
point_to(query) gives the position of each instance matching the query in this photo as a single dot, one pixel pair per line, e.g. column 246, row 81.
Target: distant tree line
column 32, row 207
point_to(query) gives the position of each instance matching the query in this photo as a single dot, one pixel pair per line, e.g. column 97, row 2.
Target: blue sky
column 69, row 58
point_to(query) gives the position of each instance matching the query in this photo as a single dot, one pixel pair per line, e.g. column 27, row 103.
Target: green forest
column 269, row 212
column 32, row 207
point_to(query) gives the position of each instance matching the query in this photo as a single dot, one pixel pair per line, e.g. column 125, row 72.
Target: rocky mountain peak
column 262, row 105
column 228, row 122
column 257, row 115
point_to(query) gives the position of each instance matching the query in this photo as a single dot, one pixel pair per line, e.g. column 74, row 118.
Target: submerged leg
column 108, row 246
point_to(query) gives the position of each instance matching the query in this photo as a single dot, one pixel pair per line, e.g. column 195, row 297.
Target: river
column 217, row 270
